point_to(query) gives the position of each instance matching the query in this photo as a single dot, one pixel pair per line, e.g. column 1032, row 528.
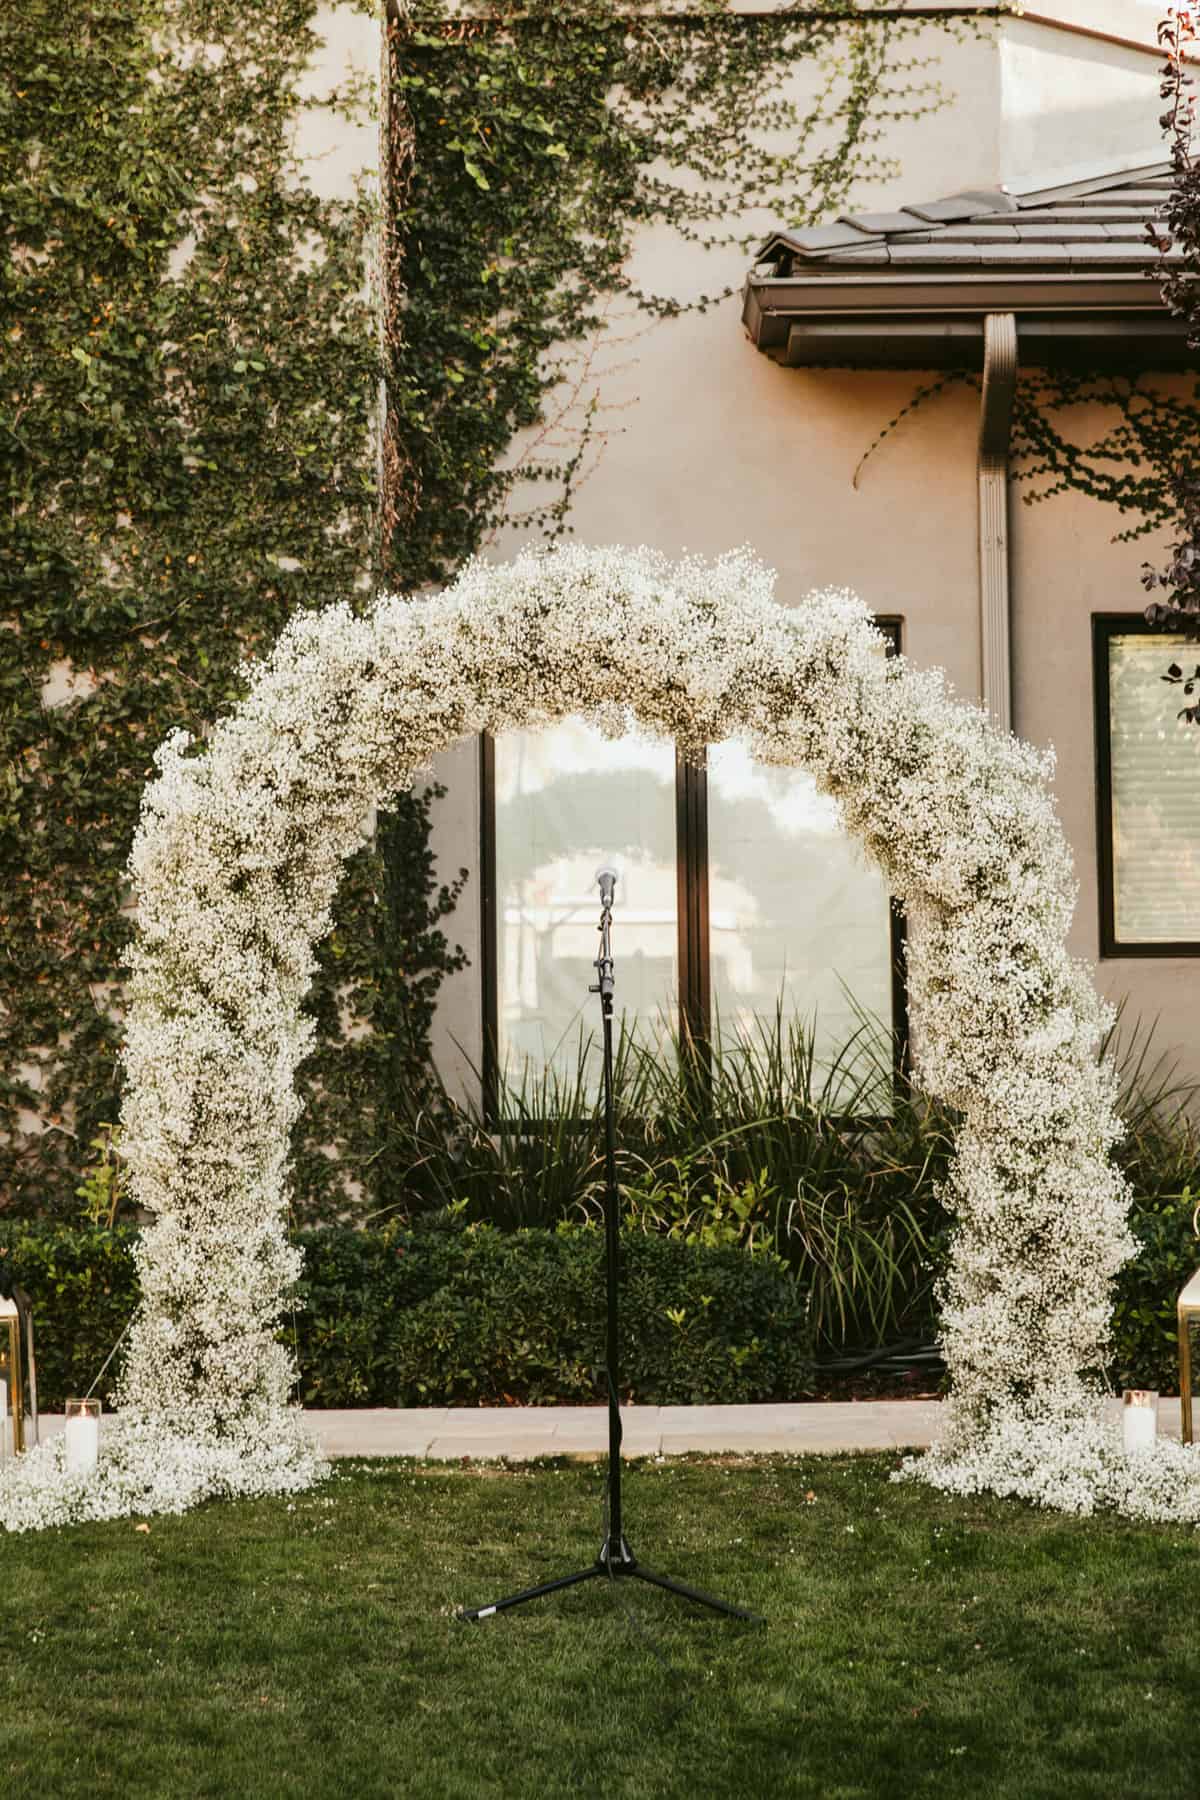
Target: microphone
column 607, row 877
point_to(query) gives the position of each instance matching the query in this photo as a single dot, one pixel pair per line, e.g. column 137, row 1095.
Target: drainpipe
column 995, row 420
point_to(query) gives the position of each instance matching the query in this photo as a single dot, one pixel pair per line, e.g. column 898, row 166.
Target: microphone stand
column 615, row 1558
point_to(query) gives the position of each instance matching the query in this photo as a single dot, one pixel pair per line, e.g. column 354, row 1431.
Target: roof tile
column 1034, row 230
column 816, row 238
column 989, row 199
column 1112, row 253
column 910, row 254
column 980, row 231
column 1062, row 228
column 945, row 212
column 879, row 223
column 1076, row 214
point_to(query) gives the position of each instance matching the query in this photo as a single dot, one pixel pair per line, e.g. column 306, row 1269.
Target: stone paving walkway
column 449, row 1433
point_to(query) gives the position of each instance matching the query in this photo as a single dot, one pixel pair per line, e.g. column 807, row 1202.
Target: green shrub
column 1145, row 1334
column 444, row 1316
column 835, row 1166
column 458, row 1316
column 82, row 1282
column 478, row 1316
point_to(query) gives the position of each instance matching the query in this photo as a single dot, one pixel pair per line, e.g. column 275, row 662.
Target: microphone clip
column 607, row 880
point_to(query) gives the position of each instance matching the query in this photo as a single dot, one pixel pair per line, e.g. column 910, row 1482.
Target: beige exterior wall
column 772, row 464
column 338, row 154
column 1073, row 105
column 711, row 445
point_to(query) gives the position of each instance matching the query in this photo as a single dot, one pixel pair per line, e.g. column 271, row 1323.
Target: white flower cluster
column 237, row 861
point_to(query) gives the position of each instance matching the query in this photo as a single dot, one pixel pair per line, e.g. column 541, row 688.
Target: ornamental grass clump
column 828, row 1161
column 236, row 865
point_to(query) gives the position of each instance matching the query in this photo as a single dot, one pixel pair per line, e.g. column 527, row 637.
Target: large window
column 739, row 893
column 565, row 800
column 1148, row 794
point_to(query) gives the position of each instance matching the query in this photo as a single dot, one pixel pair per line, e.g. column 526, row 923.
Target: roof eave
column 935, row 319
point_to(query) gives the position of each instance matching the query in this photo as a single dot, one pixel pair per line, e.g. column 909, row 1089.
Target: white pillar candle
column 83, row 1444
column 3, row 1420
column 1140, row 1417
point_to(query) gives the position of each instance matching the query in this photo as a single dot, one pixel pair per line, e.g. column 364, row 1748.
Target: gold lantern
column 18, row 1372
column 1189, row 1311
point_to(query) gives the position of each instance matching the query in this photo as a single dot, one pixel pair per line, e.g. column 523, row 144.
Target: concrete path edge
column 521, row 1433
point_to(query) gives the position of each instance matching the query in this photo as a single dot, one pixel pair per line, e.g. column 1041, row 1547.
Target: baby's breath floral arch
column 237, row 861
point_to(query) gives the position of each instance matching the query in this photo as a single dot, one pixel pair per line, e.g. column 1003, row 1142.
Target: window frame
column 693, row 953
column 1105, row 627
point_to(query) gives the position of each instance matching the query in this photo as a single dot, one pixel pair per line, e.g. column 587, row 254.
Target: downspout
column 995, row 421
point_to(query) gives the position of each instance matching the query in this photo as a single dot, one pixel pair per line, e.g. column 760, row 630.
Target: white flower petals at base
column 1070, row 1461
column 147, row 1467
column 236, row 864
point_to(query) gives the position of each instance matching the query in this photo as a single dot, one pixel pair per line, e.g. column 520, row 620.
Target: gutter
column 947, row 290
column 936, row 319
column 995, row 424
column 984, row 320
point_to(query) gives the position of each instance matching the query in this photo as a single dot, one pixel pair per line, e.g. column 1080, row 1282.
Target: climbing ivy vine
column 528, row 147
column 190, row 364
column 1136, row 429
column 186, row 459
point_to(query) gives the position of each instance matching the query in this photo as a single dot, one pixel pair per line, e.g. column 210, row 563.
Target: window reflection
column 568, row 799
column 799, row 922
column 798, row 918
column 1155, row 795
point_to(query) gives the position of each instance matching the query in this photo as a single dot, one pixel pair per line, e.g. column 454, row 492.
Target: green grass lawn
column 915, row 1645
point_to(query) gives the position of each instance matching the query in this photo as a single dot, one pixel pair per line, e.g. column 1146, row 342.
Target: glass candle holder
column 1140, row 1419
column 82, row 1436
column 4, row 1429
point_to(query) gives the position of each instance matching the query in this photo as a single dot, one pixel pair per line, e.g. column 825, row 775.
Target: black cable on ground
column 890, row 1356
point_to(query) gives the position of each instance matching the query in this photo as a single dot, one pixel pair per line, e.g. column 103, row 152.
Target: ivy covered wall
column 190, row 371
column 193, row 351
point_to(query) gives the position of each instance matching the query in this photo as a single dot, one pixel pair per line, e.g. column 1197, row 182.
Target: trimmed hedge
column 1145, row 1322
column 459, row 1316
column 83, row 1287
column 444, row 1316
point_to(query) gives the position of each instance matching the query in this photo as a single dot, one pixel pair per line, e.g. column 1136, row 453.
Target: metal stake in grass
column 615, row 1557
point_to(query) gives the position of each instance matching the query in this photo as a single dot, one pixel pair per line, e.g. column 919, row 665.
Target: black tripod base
column 613, row 1560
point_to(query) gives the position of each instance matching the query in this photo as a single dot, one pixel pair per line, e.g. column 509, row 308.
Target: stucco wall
column 1073, row 105
column 339, row 153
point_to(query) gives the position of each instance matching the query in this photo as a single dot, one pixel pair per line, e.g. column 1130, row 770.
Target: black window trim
column 1105, row 627
column 691, row 862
